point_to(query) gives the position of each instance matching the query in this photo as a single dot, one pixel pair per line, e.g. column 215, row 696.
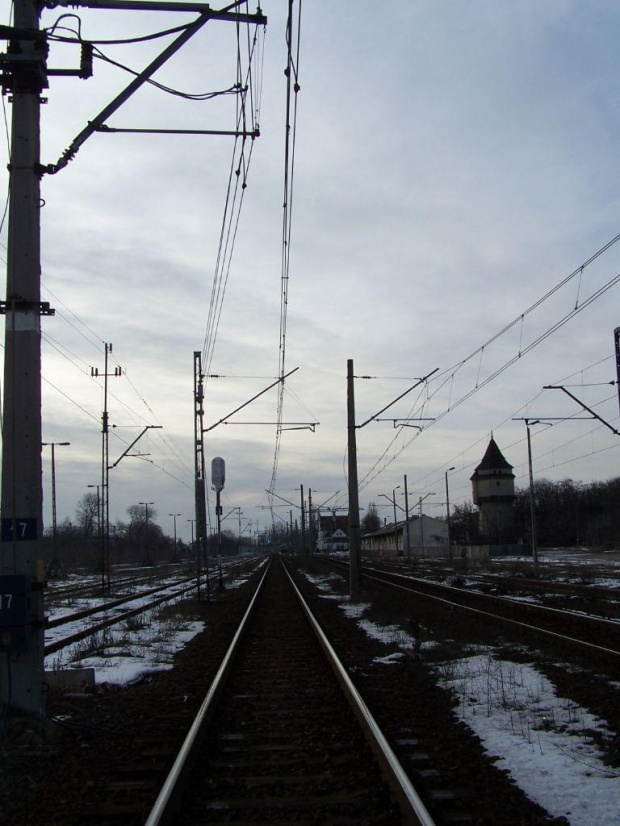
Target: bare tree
column 87, row 513
column 371, row 521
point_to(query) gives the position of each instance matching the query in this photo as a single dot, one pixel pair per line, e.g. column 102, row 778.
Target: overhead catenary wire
column 72, row 357
column 293, row 43
column 435, row 476
column 238, row 173
column 446, row 375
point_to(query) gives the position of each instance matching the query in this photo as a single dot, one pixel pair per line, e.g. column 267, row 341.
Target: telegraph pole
column 24, row 78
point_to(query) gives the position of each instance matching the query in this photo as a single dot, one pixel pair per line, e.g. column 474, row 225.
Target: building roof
column 387, row 530
column 493, row 459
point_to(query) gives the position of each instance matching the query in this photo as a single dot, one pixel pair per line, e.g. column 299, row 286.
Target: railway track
column 97, row 618
column 582, row 595
column 593, row 636
column 120, row 746
column 293, row 743
column 92, row 587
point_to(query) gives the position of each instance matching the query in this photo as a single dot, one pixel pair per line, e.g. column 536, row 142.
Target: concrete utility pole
column 408, row 538
column 24, row 76
column 55, row 566
column 448, row 513
column 24, row 79
column 422, row 498
column 310, row 528
column 355, row 575
column 200, row 490
column 617, row 352
column 303, row 521
column 105, row 470
column 147, row 554
column 176, row 547
column 528, row 423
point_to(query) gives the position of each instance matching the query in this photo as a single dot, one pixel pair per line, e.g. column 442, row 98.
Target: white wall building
column 428, row 537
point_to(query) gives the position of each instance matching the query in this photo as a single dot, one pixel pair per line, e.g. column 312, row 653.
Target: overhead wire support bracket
column 154, row 5
column 277, row 495
column 249, row 401
column 206, row 13
column 221, row 132
column 137, row 439
column 282, row 425
column 405, row 422
column 585, row 406
column 398, row 398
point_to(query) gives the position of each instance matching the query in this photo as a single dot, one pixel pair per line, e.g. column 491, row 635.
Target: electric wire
column 174, row 453
column 424, row 481
column 59, row 347
column 377, row 468
column 238, row 170
column 50, row 33
column 96, row 340
column 232, row 90
column 292, row 92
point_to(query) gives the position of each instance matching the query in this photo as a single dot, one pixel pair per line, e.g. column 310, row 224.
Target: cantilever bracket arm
column 405, row 422
column 205, row 14
column 137, row 439
column 249, row 401
column 398, row 398
column 585, row 406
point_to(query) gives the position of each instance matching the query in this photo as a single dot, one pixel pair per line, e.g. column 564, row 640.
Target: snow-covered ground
column 135, row 647
column 543, row 739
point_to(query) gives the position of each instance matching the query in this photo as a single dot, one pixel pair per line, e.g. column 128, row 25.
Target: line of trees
column 137, row 540
column 568, row 514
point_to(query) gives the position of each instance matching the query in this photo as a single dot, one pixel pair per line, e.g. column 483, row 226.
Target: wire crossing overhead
column 293, row 41
column 445, row 379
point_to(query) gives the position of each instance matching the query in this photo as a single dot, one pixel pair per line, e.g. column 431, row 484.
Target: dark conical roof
column 493, row 459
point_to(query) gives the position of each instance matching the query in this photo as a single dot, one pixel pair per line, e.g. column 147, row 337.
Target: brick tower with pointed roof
column 493, row 489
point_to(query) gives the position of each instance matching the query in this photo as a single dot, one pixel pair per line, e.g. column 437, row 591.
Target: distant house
column 333, row 533
column 428, row 537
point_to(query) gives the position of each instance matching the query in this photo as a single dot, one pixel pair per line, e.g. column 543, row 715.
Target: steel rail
column 598, row 649
column 106, row 606
column 58, row 645
column 98, row 609
column 595, row 620
column 400, row 785
column 53, row 594
column 164, row 807
column 53, row 647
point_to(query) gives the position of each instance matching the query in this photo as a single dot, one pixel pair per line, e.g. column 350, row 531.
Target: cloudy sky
column 455, row 162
